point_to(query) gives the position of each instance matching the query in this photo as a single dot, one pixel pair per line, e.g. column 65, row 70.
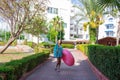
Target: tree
column 57, row 24
column 52, row 33
column 92, row 14
column 4, row 35
column 18, row 13
column 37, row 26
column 113, row 5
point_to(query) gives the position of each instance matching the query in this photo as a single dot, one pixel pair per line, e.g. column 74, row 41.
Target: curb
column 95, row 70
column 29, row 73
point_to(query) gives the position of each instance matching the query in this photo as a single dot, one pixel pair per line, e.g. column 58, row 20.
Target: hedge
column 71, row 46
column 2, row 43
column 31, row 44
column 83, row 48
column 14, row 69
column 106, row 59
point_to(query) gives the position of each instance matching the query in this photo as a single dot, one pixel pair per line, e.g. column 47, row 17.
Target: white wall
column 63, row 11
column 102, row 27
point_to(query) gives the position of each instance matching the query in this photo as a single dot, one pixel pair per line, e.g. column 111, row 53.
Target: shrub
column 106, row 59
column 38, row 49
column 14, row 43
column 31, row 44
column 2, row 43
column 83, row 48
column 68, row 46
column 25, row 42
column 47, row 45
column 13, row 70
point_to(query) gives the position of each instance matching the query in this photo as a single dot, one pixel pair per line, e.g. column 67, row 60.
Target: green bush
column 13, row 70
column 47, row 45
column 31, row 44
column 71, row 46
column 83, row 48
column 14, row 43
column 2, row 43
column 25, row 42
column 106, row 59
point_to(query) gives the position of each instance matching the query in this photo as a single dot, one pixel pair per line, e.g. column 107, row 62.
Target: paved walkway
column 80, row 71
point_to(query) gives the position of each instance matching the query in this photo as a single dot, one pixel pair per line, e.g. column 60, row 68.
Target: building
column 108, row 28
column 54, row 8
column 60, row 8
column 76, row 28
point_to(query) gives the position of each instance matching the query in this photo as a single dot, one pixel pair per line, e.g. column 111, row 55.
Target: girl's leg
column 59, row 63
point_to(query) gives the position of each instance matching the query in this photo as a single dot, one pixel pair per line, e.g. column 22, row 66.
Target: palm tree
column 92, row 14
column 112, row 5
column 57, row 24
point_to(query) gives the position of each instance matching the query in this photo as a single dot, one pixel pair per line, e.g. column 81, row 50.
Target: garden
column 22, row 20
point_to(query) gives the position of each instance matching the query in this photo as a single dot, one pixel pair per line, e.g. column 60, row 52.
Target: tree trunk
column 8, row 44
column 118, row 34
column 92, row 35
column 97, row 32
column 38, row 40
column 56, row 39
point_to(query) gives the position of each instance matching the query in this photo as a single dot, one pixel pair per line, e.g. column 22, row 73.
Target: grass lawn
column 11, row 54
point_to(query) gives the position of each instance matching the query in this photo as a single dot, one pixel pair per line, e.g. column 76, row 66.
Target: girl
column 58, row 54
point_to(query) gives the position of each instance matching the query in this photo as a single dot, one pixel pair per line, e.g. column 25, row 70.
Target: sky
column 75, row 1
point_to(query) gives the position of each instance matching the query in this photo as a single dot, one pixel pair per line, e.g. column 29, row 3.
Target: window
column 81, row 36
column 110, row 19
column 65, row 25
column 109, row 33
column 71, row 35
column 52, row 10
column 87, row 36
column 71, row 28
column 109, row 26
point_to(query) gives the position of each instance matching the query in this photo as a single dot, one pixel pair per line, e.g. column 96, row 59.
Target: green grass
column 6, row 57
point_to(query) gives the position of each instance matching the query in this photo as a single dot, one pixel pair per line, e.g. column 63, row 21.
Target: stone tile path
column 79, row 71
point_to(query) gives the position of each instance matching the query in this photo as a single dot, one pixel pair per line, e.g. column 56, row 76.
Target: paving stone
column 79, row 71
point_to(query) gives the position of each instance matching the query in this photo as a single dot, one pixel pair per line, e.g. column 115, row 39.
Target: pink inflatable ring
column 67, row 57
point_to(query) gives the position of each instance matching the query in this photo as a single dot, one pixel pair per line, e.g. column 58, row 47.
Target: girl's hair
column 60, row 41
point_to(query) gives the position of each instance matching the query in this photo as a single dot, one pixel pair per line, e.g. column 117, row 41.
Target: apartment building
column 76, row 27
column 60, row 8
column 55, row 8
column 109, row 27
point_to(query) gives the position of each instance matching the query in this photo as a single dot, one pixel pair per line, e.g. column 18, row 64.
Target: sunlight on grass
column 12, row 54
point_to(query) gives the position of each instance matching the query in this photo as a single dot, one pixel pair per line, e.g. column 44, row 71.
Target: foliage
column 110, row 3
column 114, row 10
column 37, row 26
column 31, row 44
column 56, row 29
column 105, row 58
column 14, row 43
column 4, row 35
column 21, row 37
column 38, row 49
column 83, row 48
column 90, row 12
column 47, row 45
column 14, row 69
column 60, row 35
column 25, row 42
column 2, row 43
column 71, row 46
column 18, row 13
column 52, row 33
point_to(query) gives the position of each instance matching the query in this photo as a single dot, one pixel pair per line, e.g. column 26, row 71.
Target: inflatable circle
column 67, row 57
